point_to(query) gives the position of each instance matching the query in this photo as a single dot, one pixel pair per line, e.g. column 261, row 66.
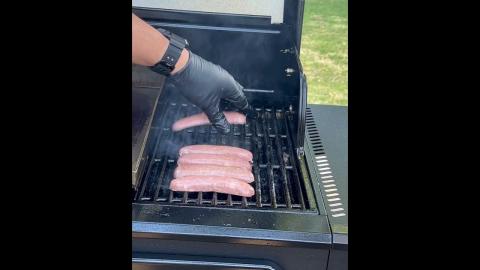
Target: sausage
column 213, row 170
column 216, row 150
column 210, row 159
column 234, row 118
column 218, row 184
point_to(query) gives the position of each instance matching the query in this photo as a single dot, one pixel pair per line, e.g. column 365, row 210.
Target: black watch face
column 167, row 64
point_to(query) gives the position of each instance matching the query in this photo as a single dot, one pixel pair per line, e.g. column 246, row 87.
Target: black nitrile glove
column 205, row 84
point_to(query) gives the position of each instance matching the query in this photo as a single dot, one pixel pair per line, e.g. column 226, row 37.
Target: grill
column 277, row 183
column 295, row 219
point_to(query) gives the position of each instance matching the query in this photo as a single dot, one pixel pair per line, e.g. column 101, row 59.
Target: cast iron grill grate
column 277, row 184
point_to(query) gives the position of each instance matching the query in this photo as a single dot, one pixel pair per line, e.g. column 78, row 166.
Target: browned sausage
column 216, row 150
column 213, row 170
column 210, row 159
column 234, row 118
column 218, row 184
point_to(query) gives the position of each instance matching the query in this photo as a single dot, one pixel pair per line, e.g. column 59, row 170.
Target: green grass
column 324, row 52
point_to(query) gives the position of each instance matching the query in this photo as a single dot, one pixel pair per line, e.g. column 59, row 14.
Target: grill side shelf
column 326, row 143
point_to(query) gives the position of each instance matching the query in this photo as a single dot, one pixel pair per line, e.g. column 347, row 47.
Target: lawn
column 324, row 52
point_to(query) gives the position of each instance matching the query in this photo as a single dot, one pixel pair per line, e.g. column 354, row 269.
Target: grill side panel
column 327, row 141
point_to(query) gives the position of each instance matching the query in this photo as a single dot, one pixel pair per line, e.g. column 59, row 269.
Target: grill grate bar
column 161, row 180
column 199, row 198
column 214, row 199
column 229, row 200
column 280, row 157
column 258, row 185
column 294, row 169
column 266, row 138
column 244, row 202
column 250, row 130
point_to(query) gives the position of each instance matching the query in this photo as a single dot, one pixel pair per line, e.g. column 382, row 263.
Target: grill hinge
column 300, row 152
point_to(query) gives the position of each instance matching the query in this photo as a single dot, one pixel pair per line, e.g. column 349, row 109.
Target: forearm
column 149, row 45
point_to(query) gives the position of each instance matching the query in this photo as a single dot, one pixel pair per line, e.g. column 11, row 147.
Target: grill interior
column 278, row 183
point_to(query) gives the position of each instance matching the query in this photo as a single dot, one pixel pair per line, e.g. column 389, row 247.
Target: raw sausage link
column 216, row 150
column 210, row 159
column 212, row 184
column 213, row 170
column 234, row 118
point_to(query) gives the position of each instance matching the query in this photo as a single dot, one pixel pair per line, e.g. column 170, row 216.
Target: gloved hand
column 205, row 84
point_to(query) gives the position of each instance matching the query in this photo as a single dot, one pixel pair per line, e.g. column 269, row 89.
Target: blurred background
column 324, row 51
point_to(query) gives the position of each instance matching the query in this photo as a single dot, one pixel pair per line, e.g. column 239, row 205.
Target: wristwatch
column 175, row 47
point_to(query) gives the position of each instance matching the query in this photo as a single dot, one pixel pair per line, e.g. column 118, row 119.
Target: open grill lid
column 286, row 13
column 257, row 41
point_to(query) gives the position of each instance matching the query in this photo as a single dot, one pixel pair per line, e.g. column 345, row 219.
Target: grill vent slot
column 333, row 199
column 313, row 134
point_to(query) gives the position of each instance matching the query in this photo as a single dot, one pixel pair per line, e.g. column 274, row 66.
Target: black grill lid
column 260, row 13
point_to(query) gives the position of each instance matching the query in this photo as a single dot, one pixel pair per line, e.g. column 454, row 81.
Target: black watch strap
column 175, row 47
